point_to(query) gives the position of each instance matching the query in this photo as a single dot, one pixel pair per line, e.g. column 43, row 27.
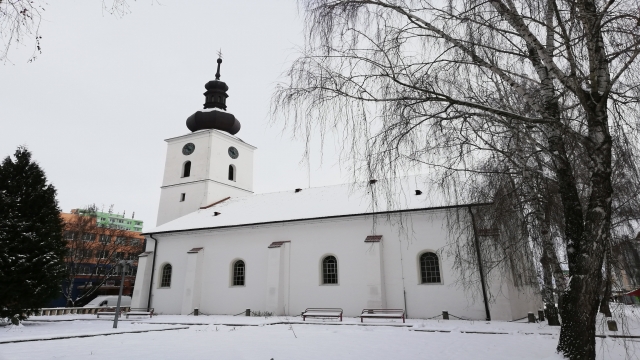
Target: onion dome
column 214, row 115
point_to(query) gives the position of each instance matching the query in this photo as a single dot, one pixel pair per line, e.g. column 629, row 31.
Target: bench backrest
column 141, row 309
column 383, row 311
column 324, row 309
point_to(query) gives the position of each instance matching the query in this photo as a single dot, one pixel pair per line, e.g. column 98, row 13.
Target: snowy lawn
column 264, row 339
column 31, row 330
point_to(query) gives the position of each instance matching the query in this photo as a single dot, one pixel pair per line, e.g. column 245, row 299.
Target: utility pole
column 123, row 266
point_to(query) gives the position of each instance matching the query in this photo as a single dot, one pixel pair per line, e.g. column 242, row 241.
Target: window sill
column 434, row 283
column 329, row 284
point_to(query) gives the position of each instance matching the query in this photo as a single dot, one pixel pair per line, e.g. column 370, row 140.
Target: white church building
column 220, row 248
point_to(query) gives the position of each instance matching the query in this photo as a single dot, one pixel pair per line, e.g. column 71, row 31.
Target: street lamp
column 123, row 266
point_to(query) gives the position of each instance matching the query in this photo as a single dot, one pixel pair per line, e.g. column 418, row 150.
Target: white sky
column 97, row 104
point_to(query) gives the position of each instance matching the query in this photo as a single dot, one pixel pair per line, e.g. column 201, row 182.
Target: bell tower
column 210, row 163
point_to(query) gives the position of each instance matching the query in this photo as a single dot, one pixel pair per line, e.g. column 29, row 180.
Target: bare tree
column 20, row 22
column 93, row 252
column 447, row 85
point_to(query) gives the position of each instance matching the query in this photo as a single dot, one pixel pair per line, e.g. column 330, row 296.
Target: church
column 221, row 249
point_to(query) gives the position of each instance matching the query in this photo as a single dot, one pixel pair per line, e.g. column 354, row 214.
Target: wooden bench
column 140, row 312
column 382, row 314
column 107, row 312
column 322, row 313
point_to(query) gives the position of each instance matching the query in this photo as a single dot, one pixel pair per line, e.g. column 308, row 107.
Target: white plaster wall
column 310, row 242
column 141, row 286
column 171, row 207
column 208, row 181
column 175, row 158
column 220, row 161
column 169, row 300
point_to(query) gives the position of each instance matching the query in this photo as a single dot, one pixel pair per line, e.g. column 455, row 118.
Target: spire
column 219, row 62
column 215, row 98
column 216, row 94
column 218, row 72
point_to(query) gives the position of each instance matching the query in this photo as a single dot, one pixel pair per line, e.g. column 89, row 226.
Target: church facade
column 221, row 249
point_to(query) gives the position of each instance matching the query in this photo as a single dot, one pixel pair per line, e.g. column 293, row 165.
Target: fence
column 76, row 310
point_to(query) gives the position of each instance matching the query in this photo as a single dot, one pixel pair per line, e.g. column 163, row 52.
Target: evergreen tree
column 32, row 249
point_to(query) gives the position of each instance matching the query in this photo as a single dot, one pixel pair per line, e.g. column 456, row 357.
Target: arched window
column 429, row 268
column 238, row 273
column 165, row 280
column 330, row 270
column 186, row 169
column 232, row 173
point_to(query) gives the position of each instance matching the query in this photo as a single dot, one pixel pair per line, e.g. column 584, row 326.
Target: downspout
column 480, row 268
column 153, row 269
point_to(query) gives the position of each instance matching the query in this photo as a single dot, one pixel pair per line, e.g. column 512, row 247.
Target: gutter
column 320, row 218
column 153, row 269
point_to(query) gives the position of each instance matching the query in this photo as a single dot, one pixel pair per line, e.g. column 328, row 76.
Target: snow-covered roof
column 310, row 203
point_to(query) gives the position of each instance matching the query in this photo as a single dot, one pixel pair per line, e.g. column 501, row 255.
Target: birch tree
column 411, row 82
column 20, row 22
column 92, row 254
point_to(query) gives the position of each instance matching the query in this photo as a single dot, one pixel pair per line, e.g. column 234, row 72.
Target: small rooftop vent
column 372, row 181
column 216, row 213
column 298, row 190
column 418, row 192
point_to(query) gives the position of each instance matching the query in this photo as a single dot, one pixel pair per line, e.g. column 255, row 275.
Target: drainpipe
column 153, row 269
column 480, row 268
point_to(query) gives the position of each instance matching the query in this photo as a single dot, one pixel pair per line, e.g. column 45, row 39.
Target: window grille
column 238, row 273
column 330, row 270
column 121, row 240
column 165, row 281
column 429, row 268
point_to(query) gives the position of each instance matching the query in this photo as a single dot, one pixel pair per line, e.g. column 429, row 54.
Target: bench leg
column 303, row 318
column 403, row 319
column 340, row 317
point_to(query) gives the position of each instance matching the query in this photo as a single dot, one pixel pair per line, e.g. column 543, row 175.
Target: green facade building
column 114, row 221
column 118, row 221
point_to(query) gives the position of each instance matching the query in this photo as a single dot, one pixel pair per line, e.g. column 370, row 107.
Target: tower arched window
column 232, row 172
column 165, row 279
column 186, row 169
column 330, row 270
column 238, row 273
column 429, row 268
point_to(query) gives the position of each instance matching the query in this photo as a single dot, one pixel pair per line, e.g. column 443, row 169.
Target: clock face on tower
column 233, row 152
column 188, row 149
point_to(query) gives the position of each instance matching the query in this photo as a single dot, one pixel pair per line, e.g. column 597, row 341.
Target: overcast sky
column 97, row 104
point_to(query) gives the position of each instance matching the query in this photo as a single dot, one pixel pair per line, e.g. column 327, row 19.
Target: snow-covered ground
column 229, row 337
